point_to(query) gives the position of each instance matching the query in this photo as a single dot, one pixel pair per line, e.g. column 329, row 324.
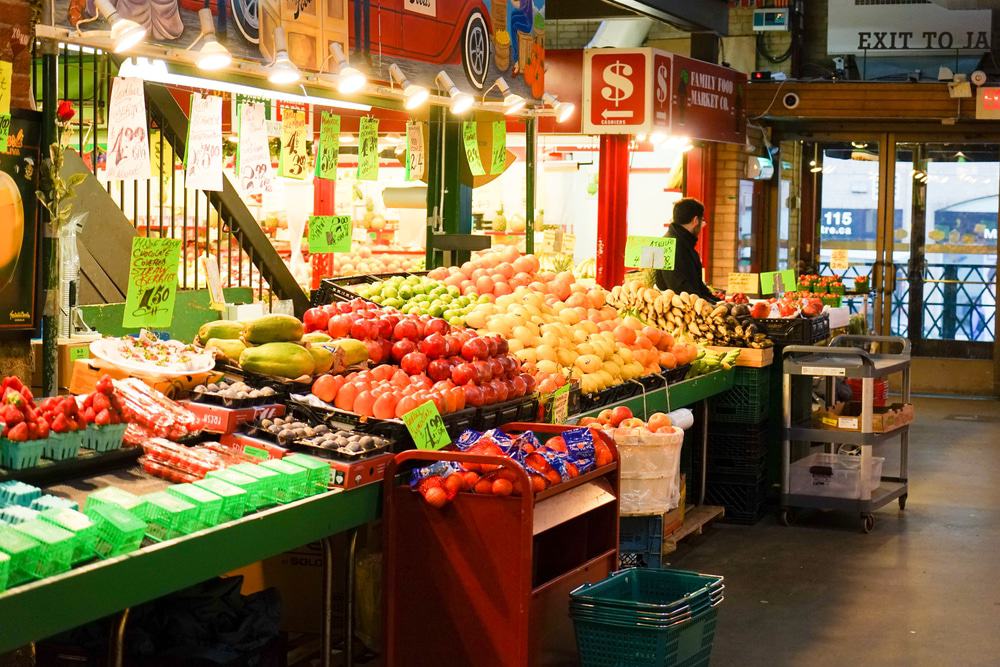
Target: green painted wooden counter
column 679, row 395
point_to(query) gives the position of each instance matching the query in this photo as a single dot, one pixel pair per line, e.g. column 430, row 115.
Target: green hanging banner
column 471, row 141
column 368, row 150
column 329, row 146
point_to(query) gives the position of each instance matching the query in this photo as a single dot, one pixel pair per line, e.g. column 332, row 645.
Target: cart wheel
column 902, row 502
column 867, row 523
column 785, row 518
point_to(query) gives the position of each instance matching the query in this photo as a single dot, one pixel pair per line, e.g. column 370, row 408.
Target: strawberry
column 103, row 418
column 105, row 385
column 69, row 407
column 33, row 431
column 18, row 433
column 12, row 416
column 12, row 397
column 60, row 424
column 43, row 429
column 88, row 415
column 88, row 401
column 101, row 403
column 27, row 395
column 13, row 382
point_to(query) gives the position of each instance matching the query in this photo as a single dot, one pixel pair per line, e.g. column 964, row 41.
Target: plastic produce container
column 294, row 484
column 4, row 571
column 234, row 499
column 58, row 546
column 268, row 478
column 208, row 504
column 168, row 516
column 650, row 470
column 834, row 476
column 62, row 446
column 103, row 438
column 80, row 525
column 252, row 485
column 112, row 495
column 24, row 552
column 13, row 492
column 118, row 530
column 319, row 471
column 15, row 515
column 20, row 455
column 49, row 502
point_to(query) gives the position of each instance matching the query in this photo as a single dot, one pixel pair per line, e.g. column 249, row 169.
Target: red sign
column 709, row 101
column 662, row 98
column 615, row 91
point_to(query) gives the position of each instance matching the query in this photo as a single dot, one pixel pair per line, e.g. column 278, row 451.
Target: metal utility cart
column 866, row 358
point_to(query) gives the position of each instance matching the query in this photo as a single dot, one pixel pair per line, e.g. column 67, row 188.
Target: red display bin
column 485, row 580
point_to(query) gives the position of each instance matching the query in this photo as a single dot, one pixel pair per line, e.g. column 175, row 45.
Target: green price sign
column 152, row 283
column 330, row 233
column 79, row 352
column 777, row 282
column 499, row 146
column 650, row 252
column 4, row 131
column 560, row 405
column 368, row 150
column 426, row 427
column 471, row 140
column 329, row 146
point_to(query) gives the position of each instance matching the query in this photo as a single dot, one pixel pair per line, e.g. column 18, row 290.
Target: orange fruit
column 325, row 388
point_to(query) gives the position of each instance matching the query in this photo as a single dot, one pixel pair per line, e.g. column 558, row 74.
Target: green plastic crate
column 118, row 531
column 253, row 486
column 268, row 478
column 234, row 499
column 20, row 455
column 15, row 515
column 294, row 484
column 4, row 571
column 747, row 402
column 168, row 516
column 58, row 546
column 13, row 492
column 62, row 446
column 25, row 554
column 209, row 505
column 112, row 495
column 319, row 471
column 80, row 525
column 103, row 438
column 50, row 502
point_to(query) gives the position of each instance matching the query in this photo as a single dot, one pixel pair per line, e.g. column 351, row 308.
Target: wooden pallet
column 695, row 518
column 749, row 357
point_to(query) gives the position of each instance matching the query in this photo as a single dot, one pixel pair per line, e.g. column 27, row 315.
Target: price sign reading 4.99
column 152, row 283
column 426, row 427
column 330, row 233
column 128, row 139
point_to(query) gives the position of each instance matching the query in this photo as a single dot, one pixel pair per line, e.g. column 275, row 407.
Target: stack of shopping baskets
column 644, row 617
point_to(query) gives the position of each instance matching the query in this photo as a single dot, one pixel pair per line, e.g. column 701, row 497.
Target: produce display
column 146, row 353
column 494, row 273
column 622, row 417
column 234, row 391
column 375, row 260
column 419, row 295
column 150, row 414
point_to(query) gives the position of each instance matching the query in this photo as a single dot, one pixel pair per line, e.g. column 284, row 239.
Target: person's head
column 689, row 213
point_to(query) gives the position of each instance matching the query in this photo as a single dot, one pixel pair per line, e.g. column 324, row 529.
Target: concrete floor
column 922, row 589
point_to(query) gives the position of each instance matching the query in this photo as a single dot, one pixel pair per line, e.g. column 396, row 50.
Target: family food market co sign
column 897, row 28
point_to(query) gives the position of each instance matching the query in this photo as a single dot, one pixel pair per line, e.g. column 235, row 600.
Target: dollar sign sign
column 619, row 88
column 661, row 84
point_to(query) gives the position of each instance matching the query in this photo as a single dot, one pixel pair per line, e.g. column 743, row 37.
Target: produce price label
column 203, row 159
column 128, row 140
column 777, row 282
column 79, row 352
column 743, row 283
column 329, row 146
column 6, row 72
column 549, row 241
column 650, row 252
column 152, row 283
column 217, row 297
column 568, row 243
column 499, row 147
column 292, row 158
column 560, row 405
column 368, row 150
column 4, row 131
column 426, row 427
column 253, row 157
column 839, row 260
column 416, row 158
column 471, row 140
column 330, row 233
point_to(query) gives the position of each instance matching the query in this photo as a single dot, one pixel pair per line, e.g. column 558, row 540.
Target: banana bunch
column 708, row 361
column 586, row 269
column 689, row 316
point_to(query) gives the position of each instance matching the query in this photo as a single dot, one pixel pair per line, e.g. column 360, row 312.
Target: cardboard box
column 255, row 447
column 847, row 417
column 219, row 419
column 349, row 474
column 87, row 372
column 70, row 350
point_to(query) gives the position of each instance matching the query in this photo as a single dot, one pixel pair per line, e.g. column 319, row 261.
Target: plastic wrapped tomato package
column 151, row 414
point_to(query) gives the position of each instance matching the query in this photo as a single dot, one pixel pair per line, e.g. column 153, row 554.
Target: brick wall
column 730, row 165
column 569, row 33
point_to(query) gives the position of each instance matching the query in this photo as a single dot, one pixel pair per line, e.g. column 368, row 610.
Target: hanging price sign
column 470, row 138
column 253, row 156
column 368, row 150
column 329, row 146
column 4, row 131
column 650, row 252
column 330, row 233
column 560, row 405
column 415, row 156
column 499, row 147
column 293, row 156
column 426, row 427
column 203, row 159
column 6, row 72
column 777, row 282
column 839, row 260
column 152, row 283
column 128, row 138
column 743, row 283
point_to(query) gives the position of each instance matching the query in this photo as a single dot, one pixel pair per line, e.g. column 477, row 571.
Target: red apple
column 439, row 369
column 463, row 374
column 436, row 326
column 316, row 319
column 401, row 348
column 502, row 347
column 497, row 369
column 434, row 346
column 475, row 348
column 490, row 395
column 519, row 386
column 414, row 363
column 620, row 414
column 492, row 345
column 473, row 395
column 406, row 329
column 529, row 380
column 502, row 389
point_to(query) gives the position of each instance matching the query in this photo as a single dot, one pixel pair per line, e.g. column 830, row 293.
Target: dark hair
column 687, row 209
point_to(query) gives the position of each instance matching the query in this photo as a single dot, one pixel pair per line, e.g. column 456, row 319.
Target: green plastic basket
column 58, row 546
column 80, row 525
column 648, row 589
column 4, row 571
column 268, row 478
column 118, row 531
column 609, row 644
column 15, row 515
column 13, row 492
column 294, row 484
column 209, row 505
column 62, row 446
column 168, row 516
column 20, row 455
column 234, row 499
column 50, row 502
column 748, row 402
column 112, row 495
column 103, row 438
column 24, row 552
column 253, row 486
column 319, row 471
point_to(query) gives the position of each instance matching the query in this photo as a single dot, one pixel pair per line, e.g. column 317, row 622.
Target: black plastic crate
column 336, row 289
column 728, row 442
column 640, row 541
column 744, row 503
column 795, row 330
column 524, row 409
column 747, row 402
column 676, row 374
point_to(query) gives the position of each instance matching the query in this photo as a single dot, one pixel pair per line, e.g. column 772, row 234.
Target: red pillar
column 700, row 184
column 323, row 196
column 612, row 209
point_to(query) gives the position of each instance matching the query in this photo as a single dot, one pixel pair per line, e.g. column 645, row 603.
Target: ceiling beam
column 700, row 16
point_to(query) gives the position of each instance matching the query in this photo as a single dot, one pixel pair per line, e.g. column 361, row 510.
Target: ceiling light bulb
column 512, row 102
column 282, row 71
column 125, row 33
column 460, row 102
column 349, row 79
column 563, row 109
column 414, row 95
column 212, row 55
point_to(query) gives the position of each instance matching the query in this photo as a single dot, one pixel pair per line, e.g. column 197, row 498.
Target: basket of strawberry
column 65, row 427
column 23, row 428
column 102, row 413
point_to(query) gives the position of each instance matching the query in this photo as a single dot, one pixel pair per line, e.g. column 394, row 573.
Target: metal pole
column 704, row 451
column 116, row 649
column 327, row 601
column 531, row 173
column 349, row 596
column 50, row 248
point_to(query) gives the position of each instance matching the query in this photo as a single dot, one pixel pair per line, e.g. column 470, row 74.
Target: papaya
column 232, row 349
column 221, row 329
column 316, row 337
column 323, row 357
column 273, row 329
column 354, row 351
column 286, row 360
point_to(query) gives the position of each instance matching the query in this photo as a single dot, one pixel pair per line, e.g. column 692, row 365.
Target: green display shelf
column 679, row 395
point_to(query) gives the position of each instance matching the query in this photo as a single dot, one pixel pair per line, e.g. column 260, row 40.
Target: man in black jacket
column 689, row 220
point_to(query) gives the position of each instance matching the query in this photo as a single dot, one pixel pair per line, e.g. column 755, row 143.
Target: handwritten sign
column 128, row 138
column 152, row 283
column 217, row 298
column 650, row 252
column 426, row 427
column 4, row 131
column 499, row 147
column 203, row 159
column 330, row 233
column 568, row 243
column 470, row 138
column 368, row 150
column 743, row 283
column 549, row 241
column 253, row 157
column 560, row 405
column 292, row 158
column 328, row 152
column 242, row 100
column 416, row 158
column 6, row 72
column 839, row 260
column 777, row 282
